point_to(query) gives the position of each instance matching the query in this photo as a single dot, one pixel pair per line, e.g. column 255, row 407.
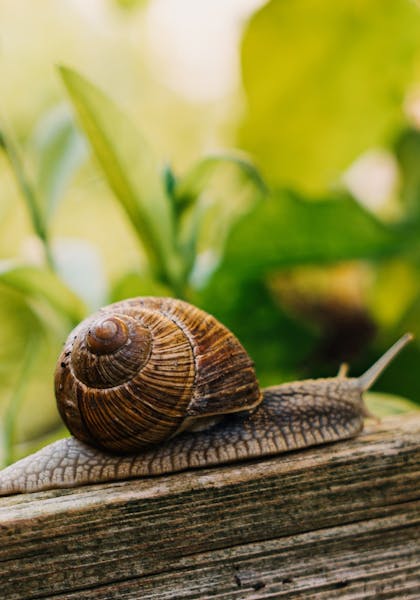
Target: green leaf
column 210, row 198
column 198, row 178
column 17, row 319
column 26, row 188
column 35, row 282
column 15, row 402
column 325, row 81
column 169, row 181
column 285, row 230
column 32, row 336
column 129, row 4
column 381, row 405
column 407, row 151
column 132, row 172
column 60, row 150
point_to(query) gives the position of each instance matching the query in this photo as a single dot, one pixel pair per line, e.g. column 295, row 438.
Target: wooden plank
column 293, row 567
column 111, row 537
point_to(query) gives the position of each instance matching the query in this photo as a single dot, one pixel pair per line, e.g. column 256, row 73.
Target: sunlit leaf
column 131, row 170
column 41, row 283
column 60, row 150
column 325, row 81
column 381, row 405
column 395, row 288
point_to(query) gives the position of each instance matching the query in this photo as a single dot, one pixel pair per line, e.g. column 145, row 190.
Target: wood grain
column 339, row 521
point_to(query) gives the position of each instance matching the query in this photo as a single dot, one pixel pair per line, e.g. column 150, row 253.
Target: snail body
column 150, row 386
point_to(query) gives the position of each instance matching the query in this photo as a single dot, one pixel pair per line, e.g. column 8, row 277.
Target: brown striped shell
column 139, row 371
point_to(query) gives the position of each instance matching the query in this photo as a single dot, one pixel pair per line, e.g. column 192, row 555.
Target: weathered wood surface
column 339, row 521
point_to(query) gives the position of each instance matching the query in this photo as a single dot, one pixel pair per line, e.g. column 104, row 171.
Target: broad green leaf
column 60, row 150
column 285, row 230
column 41, row 283
column 131, row 170
column 324, row 81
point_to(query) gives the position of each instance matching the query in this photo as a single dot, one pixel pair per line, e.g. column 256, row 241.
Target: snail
column 149, row 386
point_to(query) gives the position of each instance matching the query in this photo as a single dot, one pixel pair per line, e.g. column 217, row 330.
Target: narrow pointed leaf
column 44, row 284
column 25, row 186
column 209, row 199
column 60, row 150
column 131, row 170
column 197, row 179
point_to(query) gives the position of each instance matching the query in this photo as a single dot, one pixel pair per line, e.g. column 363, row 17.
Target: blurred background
column 285, row 144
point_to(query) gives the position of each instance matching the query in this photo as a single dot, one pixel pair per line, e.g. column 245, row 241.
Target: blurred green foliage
column 304, row 273
column 324, row 81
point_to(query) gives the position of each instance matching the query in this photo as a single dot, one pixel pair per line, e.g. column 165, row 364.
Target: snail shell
column 139, row 371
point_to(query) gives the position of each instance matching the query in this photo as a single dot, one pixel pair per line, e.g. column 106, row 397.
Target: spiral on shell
column 139, row 371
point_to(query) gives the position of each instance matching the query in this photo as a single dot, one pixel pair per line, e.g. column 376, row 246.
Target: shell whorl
column 109, row 350
column 106, row 335
column 135, row 372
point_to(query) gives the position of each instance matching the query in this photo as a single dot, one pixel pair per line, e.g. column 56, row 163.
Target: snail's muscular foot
column 290, row 417
column 64, row 463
